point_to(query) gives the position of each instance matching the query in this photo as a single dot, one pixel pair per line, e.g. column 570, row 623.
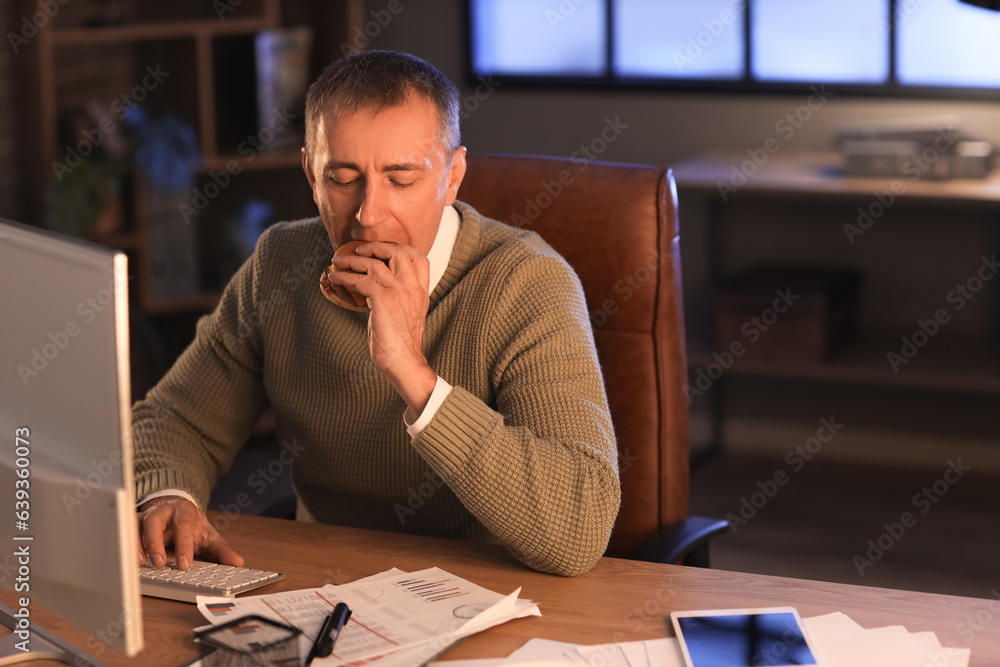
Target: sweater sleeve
column 190, row 426
column 537, row 466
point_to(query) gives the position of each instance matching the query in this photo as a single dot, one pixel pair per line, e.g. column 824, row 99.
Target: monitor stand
column 44, row 646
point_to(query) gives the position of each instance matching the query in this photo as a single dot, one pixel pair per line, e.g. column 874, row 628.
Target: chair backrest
column 616, row 225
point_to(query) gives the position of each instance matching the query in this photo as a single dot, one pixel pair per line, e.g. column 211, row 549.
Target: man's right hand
column 178, row 521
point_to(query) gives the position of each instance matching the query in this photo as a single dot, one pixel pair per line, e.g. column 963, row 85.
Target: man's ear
column 455, row 174
column 307, row 167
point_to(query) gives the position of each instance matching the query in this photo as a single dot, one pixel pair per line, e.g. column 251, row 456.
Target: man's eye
column 342, row 184
column 400, row 184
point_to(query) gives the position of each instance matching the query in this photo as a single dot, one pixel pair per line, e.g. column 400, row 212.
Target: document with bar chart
column 393, row 614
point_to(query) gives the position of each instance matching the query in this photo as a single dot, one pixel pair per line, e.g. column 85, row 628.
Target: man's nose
column 372, row 207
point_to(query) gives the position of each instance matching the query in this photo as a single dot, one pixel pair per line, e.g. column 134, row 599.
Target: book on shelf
column 282, row 56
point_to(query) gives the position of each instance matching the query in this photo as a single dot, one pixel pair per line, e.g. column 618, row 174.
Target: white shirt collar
column 444, row 243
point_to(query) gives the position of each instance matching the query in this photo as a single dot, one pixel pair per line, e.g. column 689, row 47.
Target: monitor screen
column 65, row 416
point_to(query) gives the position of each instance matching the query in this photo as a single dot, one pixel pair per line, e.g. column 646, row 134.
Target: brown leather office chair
column 616, row 225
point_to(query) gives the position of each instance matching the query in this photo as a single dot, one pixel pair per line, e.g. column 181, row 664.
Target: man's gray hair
column 380, row 80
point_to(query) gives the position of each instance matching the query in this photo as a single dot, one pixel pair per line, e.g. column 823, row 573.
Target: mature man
column 475, row 369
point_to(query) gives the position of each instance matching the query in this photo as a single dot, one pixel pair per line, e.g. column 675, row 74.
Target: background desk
column 798, row 209
column 618, row 600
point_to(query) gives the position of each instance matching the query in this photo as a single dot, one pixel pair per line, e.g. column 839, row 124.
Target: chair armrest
column 685, row 540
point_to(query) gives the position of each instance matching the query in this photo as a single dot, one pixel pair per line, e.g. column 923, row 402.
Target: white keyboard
column 201, row 579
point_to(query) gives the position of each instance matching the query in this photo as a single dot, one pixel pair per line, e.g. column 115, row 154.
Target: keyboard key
column 202, row 579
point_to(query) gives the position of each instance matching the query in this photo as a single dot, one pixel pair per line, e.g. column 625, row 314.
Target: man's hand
column 394, row 279
column 172, row 519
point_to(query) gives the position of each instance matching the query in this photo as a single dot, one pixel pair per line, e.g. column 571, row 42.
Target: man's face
column 383, row 176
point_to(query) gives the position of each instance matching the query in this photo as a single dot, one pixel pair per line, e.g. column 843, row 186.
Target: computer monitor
column 67, row 520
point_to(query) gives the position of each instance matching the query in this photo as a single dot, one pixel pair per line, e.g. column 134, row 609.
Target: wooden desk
column 619, row 600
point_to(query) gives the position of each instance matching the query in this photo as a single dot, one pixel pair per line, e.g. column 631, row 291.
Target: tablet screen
column 745, row 640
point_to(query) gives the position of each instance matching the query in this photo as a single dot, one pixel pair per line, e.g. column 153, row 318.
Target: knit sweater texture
column 522, row 452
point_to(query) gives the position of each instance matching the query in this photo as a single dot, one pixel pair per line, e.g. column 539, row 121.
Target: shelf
column 815, row 175
column 139, row 32
column 962, row 365
column 256, row 162
column 120, row 241
column 204, row 302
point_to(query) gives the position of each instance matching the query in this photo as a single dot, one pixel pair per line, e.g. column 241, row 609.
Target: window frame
column 746, row 85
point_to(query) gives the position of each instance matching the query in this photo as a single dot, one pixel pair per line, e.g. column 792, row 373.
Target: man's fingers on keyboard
column 151, row 530
column 184, row 537
column 225, row 554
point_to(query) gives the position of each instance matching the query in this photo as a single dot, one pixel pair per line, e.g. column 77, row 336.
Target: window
column 516, row 37
column 655, row 39
column 874, row 46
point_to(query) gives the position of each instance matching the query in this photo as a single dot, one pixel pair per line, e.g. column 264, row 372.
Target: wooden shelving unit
column 970, row 364
column 960, row 365
column 100, row 49
column 261, row 161
column 188, row 36
column 792, row 211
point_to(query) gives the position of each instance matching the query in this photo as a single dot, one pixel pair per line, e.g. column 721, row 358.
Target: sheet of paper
column 885, row 647
column 840, row 642
column 835, row 622
column 390, row 611
column 635, row 653
column 508, row 608
column 664, row 652
column 543, row 649
column 608, row 655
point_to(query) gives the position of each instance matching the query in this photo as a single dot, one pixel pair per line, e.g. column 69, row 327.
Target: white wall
column 663, row 126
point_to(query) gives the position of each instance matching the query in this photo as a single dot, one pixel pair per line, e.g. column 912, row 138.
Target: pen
column 328, row 633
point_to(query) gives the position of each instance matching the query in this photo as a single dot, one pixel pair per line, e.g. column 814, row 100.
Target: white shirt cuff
column 440, row 393
column 168, row 492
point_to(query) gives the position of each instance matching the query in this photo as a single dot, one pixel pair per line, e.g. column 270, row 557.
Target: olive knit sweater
column 522, row 451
